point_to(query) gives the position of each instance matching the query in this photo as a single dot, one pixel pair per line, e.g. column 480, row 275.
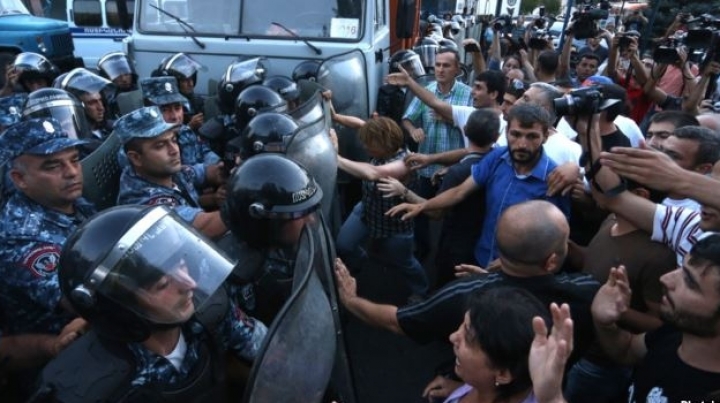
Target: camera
column 539, row 40
column 585, row 22
column 502, row 23
column 579, row 102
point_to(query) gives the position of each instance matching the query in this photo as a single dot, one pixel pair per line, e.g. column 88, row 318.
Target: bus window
column 87, row 13
column 113, row 16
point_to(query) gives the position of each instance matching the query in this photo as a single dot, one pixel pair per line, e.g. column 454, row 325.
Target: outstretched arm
column 365, row 171
column 443, row 109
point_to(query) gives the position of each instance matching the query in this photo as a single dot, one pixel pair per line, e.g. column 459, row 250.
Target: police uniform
column 183, row 197
column 10, row 113
column 111, row 363
column 31, row 237
column 162, row 91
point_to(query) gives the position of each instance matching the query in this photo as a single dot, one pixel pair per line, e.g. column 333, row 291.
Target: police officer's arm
column 210, row 224
column 443, row 109
column 363, row 170
column 380, row 315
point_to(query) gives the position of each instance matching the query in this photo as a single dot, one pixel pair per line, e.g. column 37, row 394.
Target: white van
column 97, row 26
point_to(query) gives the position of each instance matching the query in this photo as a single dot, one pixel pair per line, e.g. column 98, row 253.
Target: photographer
column 635, row 21
column 627, row 69
column 587, row 65
column 666, row 100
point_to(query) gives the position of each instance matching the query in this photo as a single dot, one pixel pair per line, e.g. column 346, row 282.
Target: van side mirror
column 406, row 16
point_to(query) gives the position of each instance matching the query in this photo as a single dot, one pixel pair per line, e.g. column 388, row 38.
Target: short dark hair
column 707, row 252
column 528, row 115
column 494, row 81
column 675, row 118
column 501, row 326
column 590, row 55
column 708, row 142
column 548, row 61
column 482, row 127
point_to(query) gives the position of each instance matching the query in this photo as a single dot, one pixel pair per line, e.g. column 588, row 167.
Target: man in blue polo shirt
column 509, row 176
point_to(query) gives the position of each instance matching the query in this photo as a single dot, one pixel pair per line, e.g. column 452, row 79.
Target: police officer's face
column 94, row 108
column 186, row 86
column 55, row 181
column 292, row 229
column 172, row 113
column 170, row 299
column 123, row 81
column 160, row 156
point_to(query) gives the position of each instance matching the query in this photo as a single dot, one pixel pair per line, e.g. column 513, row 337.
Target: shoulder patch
column 163, row 200
column 42, row 261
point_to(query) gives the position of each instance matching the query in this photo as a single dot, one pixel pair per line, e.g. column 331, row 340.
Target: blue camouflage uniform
column 31, row 237
column 163, row 91
column 183, row 197
column 10, row 113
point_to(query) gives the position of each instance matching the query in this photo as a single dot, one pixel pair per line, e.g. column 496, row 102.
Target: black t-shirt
column 614, row 139
column 663, row 377
column 441, row 314
column 464, row 219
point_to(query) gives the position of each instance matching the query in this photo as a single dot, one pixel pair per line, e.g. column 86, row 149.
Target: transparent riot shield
column 296, row 359
column 311, row 145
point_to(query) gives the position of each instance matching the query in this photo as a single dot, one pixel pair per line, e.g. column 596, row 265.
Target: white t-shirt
column 677, row 227
column 461, row 114
column 626, row 125
column 686, row 203
column 177, row 356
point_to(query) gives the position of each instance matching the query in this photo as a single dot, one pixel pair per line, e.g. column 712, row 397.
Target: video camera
column 585, row 22
column 579, row 102
column 502, row 23
column 702, row 41
column 539, row 40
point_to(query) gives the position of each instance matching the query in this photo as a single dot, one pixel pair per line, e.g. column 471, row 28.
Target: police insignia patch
column 42, row 261
column 164, row 201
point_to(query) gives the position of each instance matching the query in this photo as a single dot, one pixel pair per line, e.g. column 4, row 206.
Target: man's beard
column 525, row 157
column 696, row 325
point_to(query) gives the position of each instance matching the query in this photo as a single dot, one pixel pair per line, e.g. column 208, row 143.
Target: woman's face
column 472, row 365
column 510, row 63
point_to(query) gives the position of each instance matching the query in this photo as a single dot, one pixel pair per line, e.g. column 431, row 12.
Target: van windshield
column 8, row 7
column 314, row 19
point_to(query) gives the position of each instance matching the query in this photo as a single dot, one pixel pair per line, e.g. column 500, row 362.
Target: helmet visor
column 427, row 55
column 246, row 72
column 413, row 66
column 68, row 113
column 162, row 269
column 115, row 65
column 183, row 65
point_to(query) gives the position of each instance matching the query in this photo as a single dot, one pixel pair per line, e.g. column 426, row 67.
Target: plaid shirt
column 375, row 204
column 440, row 136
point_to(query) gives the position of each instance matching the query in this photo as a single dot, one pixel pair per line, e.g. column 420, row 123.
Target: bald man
column 532, row 240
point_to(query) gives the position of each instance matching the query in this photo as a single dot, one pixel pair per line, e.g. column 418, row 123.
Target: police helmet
column 255, row 100
column 445, row 43
column 285, row 86
column 61, row 106
column 181, row 66
column 109, row 267
column 268, row 132
column 34, row 66
column 427, row 48
column 409, row 60
column 266, row 191
column 311, row 70
column 238, row 76
column 82, row 81
column 115, row 64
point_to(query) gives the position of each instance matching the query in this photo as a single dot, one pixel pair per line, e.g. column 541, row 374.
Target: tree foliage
column 551, row 6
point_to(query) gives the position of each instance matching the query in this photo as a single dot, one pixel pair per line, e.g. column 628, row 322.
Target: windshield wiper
column 183, row 24
column 296, row 36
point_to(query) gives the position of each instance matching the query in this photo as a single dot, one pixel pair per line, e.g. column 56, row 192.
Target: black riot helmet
column 311, row 70
column 181, row 66
column 111, row 264
column 255, row 100
column 238, row 76
column 82, row 81
column 427, row 49
column 408, row 60
column 61, row 106
column 116, row 64
column 285, row 86
column 33, row 66
column 265, row 192
column 268, row 132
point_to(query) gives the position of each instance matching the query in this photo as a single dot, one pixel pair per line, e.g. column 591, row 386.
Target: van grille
column 62, row 43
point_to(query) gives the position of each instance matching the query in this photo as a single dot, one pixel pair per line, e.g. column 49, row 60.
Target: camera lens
column 566, row 105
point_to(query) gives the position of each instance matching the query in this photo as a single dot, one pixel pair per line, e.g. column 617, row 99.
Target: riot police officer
column 151, row 287
column 185, row 70
column 31, row 71
column 270, row 199
column 116, row 67
column 96, row 94
column 41, row 213
column 164, row 93
column 155, row 174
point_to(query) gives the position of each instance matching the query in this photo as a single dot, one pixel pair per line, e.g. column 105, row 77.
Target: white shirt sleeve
column 676, row 227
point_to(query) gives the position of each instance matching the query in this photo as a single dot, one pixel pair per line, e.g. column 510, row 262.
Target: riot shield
column 101, row 173
column 311, row 146
column 296, row 359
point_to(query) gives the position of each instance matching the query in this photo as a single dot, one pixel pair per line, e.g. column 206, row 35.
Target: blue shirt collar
column 540, row 171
